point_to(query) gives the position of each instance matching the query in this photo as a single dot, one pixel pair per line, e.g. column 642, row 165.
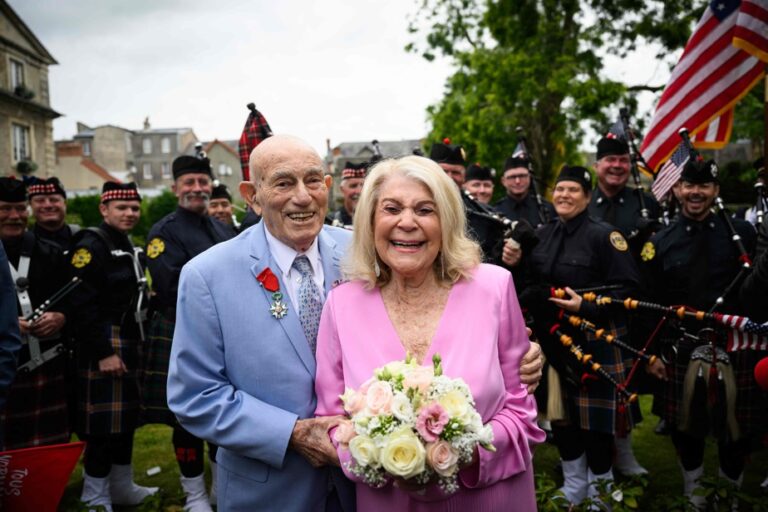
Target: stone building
column 225, row 162
column 26, row 116
column 154, row 150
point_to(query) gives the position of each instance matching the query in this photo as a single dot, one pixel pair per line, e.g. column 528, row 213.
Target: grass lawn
column 153, row 448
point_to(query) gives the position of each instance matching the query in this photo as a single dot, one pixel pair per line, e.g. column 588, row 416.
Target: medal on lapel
column 269, row 281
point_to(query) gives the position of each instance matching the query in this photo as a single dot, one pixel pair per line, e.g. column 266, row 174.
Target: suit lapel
column 262, row 259
column 331, row 256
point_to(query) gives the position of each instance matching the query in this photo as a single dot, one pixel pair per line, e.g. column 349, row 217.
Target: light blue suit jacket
column 240, row 378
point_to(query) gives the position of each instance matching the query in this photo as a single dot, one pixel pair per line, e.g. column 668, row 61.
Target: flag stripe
column 716, row 74
column 710, row 104
column 719, row 65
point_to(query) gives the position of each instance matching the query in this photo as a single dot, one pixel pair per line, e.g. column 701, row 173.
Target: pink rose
column 379, row 397
column 431, row 421
column 355, row 403
column 419, row 378
column 344, row 433
column 365, row 385
column 442, row 458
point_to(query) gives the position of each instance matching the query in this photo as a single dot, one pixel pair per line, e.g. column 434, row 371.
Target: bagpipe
column 37, row 357
column 520, row 231
column 523, row 148
column 709, row 384
column 635, row 158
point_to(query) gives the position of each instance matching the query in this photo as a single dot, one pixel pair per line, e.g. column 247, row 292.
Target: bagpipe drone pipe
column 704, row 349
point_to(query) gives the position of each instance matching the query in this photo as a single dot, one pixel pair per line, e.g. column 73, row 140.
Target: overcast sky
column 320, row 70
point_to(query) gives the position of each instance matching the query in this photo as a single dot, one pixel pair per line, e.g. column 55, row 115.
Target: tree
column 538, row 64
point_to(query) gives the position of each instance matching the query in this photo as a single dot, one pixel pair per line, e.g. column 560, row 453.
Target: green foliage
column 749, row 118
column 84, row 210
column 537, row 64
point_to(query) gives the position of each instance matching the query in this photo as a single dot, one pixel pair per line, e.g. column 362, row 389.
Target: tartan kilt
column 594, row 405
column 154, row 403
column 109, row 404
column 751, row 401
column 37, row 410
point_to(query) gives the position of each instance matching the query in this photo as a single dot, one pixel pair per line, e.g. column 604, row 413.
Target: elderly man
column 173, row 241
column 242, row 370
column 352, row 178
column 36, row 413
column 520, row 202
column 48, row 201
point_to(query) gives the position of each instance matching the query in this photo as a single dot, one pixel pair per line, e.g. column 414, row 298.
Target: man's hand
column 572, row 303
column 112, row 365
column 657, row 369
column 310, row 438
column 23, row 325
column 48, row 324
column 531, row 365
column 511, row 253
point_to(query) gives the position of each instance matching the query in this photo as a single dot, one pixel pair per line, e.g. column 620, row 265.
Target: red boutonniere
column 269, row 281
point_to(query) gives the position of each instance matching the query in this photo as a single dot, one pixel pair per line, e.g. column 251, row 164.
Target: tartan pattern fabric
column 256, row 130
column 37, row 412
column 310, row 304
column 108, row 404
column 594, row 405
column 751, row 401
column 154, row 398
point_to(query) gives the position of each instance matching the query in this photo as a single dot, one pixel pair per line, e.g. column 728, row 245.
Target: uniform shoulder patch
column 648, row 252
column 155, row 248
column 81, row 257
column 618, row 241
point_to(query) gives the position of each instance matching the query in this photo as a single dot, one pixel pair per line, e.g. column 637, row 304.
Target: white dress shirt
column 285, row 255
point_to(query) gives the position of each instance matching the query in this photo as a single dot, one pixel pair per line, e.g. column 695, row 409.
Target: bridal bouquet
column 413, row 422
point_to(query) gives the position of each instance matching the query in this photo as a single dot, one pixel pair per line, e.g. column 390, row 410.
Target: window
column 146, row 146
column 165, row 169
column 17, row 73
column 165, row 145
column 21, row 140
column 128, row 144
column 146, row 169
column 222, row 169
column 86, row 148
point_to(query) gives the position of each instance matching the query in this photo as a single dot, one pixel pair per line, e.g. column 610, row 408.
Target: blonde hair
column 458, row 253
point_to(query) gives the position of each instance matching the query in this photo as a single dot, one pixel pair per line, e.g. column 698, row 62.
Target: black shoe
column 662, row 428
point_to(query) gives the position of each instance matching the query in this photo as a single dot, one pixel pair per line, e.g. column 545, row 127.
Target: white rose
column 403, row 455
column 401, row 408
column 455, row 404
column 485, row 437
column 364, row 451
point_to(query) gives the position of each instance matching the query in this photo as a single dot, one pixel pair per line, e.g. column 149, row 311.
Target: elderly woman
column 415, row 281
column 578, row 251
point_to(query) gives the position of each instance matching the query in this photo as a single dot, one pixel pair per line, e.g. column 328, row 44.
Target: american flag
column 724, row 58
column 744, row 333
column 671, row 171
column 256, row 130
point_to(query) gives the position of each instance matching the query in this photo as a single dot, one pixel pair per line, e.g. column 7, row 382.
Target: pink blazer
column 481, row 338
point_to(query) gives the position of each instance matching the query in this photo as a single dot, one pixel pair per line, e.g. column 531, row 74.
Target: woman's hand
column 572, row 304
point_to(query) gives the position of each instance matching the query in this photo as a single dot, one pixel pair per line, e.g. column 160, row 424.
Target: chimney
column 146, row 123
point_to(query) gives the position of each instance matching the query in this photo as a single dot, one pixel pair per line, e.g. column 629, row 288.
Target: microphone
column 761, row 373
